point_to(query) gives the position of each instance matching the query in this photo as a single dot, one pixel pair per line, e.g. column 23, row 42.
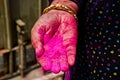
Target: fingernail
column 39, row 52
column 71, row 60
column 56, row 69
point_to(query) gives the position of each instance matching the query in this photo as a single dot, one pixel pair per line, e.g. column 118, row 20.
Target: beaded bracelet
column 60, row 7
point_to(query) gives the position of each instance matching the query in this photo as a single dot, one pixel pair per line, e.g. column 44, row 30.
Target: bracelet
column 60, row 7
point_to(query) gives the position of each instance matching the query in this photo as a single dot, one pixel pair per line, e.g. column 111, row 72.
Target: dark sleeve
column 50, row 1
column 78, row 2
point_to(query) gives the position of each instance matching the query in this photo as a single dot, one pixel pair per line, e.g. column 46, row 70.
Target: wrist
column 60, row 7
column 68, row 3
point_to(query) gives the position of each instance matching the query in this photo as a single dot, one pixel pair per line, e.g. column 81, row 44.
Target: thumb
column 39, row 50
column 37, row 43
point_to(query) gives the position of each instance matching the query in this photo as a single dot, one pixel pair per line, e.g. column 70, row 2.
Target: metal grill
column 16, row 53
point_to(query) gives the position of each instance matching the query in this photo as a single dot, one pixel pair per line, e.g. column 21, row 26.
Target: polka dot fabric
column 98, row 55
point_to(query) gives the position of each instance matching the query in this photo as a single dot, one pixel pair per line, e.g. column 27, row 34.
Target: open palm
column 54, row 38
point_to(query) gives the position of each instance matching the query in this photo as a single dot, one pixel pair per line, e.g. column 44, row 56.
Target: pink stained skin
column 54, row 38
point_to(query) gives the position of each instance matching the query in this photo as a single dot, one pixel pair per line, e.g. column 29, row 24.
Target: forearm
column 68, row 3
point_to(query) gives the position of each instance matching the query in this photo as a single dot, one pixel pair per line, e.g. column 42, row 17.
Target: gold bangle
column 60, row 7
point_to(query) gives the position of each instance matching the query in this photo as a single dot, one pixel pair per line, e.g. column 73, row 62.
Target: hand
column 54, row 38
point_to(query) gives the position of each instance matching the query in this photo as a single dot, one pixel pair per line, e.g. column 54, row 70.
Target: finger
column 39, row 49
column 71, row 51
column 55, row 66
column 37, row 42
column 45, row 62
column 70, row 41
column 63, row 63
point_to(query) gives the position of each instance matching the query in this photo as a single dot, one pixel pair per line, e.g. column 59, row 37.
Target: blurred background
column 17, row 59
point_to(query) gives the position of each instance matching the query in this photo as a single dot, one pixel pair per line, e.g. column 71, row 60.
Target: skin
column 54, row 38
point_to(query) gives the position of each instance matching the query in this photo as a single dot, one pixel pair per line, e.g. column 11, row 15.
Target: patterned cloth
column 98, row 50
